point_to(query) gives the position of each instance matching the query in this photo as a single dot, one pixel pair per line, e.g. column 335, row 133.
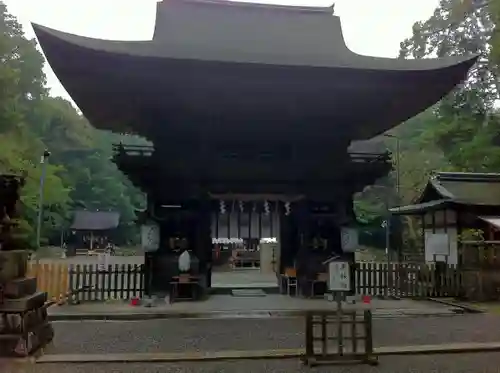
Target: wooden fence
column 408, row 280
column 52, row 278
column 91, row 283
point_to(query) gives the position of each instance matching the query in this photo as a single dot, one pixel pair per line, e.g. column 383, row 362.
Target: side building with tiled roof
column 92, row 230
column 460, row 215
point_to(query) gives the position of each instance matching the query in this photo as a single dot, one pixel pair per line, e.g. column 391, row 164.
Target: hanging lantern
column 240, row 203
column 222, row 206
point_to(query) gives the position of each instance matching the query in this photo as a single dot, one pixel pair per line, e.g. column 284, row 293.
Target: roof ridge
column 467, row 176
column 262, row 5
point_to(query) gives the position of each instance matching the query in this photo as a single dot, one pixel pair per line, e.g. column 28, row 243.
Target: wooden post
column 309, row 336
column 368, row 333
column 340, row 336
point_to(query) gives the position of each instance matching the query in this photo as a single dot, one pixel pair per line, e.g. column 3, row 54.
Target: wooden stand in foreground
column 339, row 336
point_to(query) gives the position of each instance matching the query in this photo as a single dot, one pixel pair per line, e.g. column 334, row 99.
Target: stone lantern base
column 24, row 325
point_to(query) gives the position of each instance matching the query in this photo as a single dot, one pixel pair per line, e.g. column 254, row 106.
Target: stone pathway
column 279, row 305
column 182, row 335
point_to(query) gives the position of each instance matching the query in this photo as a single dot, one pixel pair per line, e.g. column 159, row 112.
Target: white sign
column 350, row 241
column 102, row 261
column 150, row 237
column 437, row 243
column 339, row 276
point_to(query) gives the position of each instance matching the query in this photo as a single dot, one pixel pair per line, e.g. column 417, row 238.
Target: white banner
column 245, row 225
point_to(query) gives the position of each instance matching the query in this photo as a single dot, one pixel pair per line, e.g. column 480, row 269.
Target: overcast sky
column 371, row 27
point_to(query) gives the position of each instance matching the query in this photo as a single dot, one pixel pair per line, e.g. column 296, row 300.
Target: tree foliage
column 461, row 132
column 79, row 173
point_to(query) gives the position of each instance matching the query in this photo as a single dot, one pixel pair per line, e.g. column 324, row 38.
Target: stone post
column 24, row 326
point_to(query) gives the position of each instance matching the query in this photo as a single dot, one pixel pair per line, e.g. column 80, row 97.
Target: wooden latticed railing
column 339, row 335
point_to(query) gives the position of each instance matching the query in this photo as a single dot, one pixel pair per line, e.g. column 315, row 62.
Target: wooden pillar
column 204, row 239
column 148, row 273
column 288, row 243
column 302, row 244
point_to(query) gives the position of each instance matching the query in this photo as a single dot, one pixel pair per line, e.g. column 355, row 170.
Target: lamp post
column 387, row 223
column 387, row 226
column 398, row 162
column 43, row 161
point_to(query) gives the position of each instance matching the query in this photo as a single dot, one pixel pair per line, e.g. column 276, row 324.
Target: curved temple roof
column 235, row 60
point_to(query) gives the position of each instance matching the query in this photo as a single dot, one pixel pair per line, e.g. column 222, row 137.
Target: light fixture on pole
column 43, row 162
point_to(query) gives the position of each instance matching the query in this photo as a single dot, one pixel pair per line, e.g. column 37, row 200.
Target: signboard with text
column 437, row 243
column 339, row 278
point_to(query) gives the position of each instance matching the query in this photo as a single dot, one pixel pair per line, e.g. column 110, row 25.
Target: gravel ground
column 256, row 334
column 472, row 363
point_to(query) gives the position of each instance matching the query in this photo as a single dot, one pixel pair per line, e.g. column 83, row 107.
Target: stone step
column 20, row 287
column 23, row 304
column 248, row 293
column 23, row 345
column 13, row 264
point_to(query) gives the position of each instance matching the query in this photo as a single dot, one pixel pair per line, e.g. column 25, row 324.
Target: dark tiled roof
column 420, row 207
column 95, row 220
column 467, row 188
column 455, row 188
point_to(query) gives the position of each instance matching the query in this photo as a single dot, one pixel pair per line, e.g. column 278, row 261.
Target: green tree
column 80, row 173
column 467, row 123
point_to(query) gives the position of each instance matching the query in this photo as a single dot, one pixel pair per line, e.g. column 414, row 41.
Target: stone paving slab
column 166, row 315
column 225, row 305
